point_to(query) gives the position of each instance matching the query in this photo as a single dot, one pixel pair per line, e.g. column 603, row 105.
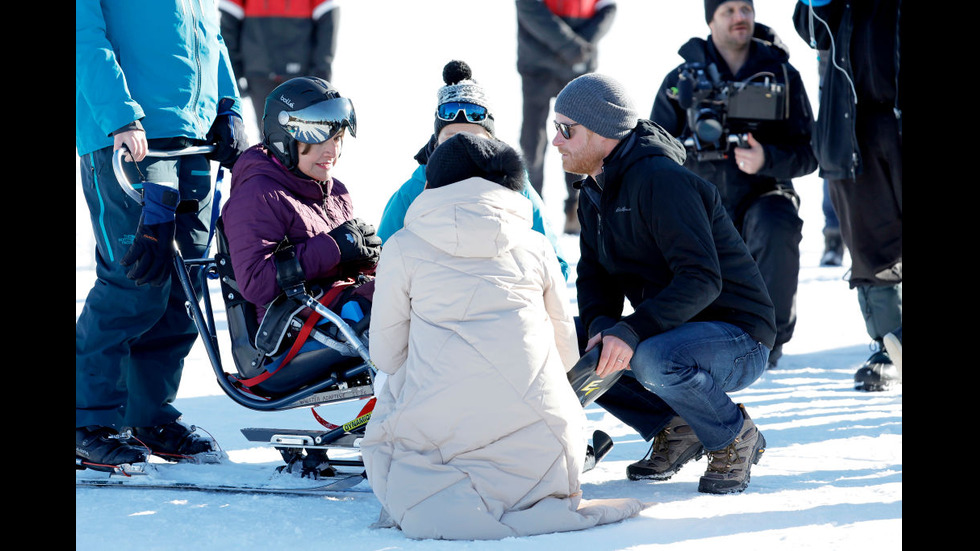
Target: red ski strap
column 304, row 333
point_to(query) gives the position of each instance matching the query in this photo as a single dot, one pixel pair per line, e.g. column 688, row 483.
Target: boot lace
column 721, row 461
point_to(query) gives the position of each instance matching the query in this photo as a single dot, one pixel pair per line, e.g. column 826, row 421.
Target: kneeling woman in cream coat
column 476, row 433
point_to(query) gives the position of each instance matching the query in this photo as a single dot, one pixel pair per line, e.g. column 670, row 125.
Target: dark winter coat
column 267, row 204
column 860, row 55
column 786, row 142
column 656, row 234
column 560, row 37
column 280, row 39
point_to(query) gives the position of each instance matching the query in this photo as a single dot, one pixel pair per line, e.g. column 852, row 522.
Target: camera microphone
column 685, row 92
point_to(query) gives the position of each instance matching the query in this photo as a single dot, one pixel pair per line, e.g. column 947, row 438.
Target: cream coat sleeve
column 558, row 305
column 390, row 311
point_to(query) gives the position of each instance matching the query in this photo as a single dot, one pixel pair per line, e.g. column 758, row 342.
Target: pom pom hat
column 461, row 89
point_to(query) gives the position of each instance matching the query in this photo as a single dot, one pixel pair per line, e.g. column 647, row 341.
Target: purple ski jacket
column 267, row 204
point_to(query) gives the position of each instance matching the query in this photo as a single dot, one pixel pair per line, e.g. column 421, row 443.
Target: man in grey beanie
column 702, row 323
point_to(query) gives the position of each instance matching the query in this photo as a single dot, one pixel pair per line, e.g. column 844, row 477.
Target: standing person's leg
column 870, row 211
column 572, row 225
column 833, row 253
column 116, row 312
column 259, row 88
column 534, row 127
column 772, row 230
column 157, row 356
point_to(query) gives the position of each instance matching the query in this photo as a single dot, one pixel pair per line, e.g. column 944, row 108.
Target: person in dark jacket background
column 557, row 40
column 755, row 180
column 702, row 325
column 270, row 42
column 858, row 141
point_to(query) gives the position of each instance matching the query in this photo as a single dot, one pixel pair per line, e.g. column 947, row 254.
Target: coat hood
column 471, row 218
column 648, row 139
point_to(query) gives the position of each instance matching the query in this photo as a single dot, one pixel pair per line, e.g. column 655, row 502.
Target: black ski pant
column 870, row 205
column 131, row 341
column 870, row 210
column 772, row 229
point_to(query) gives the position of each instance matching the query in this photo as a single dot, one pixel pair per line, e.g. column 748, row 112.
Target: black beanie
column 465, row 155
column 711, row 5
column 461, row 87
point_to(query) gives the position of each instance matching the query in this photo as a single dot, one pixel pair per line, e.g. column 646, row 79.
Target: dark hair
column 465, row 155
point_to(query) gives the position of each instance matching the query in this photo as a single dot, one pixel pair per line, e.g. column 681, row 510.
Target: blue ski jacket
column 162, row 63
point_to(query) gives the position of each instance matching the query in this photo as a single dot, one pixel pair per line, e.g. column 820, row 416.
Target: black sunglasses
column 565, row 129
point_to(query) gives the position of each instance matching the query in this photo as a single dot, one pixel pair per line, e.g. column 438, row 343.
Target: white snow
column 832, row 475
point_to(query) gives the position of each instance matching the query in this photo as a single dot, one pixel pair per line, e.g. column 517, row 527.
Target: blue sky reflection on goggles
column 472, row 112
column 321, row 121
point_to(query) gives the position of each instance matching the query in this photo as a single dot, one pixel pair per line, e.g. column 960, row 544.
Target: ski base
column 153, row 477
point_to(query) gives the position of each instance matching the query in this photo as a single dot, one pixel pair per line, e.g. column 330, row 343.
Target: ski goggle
column 321, row 121
column 565, row 129
column 473, row 112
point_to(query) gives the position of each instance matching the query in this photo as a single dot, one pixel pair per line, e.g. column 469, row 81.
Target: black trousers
column 870, row 205
column 536, row 132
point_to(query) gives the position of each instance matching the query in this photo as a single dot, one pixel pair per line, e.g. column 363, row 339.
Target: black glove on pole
column 227, row 134
column 150, row 258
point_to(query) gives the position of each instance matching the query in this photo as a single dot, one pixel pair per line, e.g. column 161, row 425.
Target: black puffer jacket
column 786, row 142
column 656, row 234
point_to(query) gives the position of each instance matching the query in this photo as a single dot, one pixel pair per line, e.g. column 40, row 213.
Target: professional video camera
column 719, row 113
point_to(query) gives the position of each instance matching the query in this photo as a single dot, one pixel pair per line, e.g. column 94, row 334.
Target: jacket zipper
column 197, row 58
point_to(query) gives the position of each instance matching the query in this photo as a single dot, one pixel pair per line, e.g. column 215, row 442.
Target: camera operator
column 754, row 177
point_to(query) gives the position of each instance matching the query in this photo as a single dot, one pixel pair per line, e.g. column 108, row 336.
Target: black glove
column 358, row 242
column 227, row 134
column 151, row 256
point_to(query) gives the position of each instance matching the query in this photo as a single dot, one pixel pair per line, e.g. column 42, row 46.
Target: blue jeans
column 688, row 371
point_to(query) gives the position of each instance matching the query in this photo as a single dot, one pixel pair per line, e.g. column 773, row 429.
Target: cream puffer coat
column 476, row 433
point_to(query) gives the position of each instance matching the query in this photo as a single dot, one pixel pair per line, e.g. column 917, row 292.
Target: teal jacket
column 393, row 217
column 162, row 63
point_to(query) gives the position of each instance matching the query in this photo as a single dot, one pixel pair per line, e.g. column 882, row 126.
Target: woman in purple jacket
column 283, row 193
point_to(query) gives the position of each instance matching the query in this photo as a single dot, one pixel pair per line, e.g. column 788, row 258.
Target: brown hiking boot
column 672, row 447
column 728, row 468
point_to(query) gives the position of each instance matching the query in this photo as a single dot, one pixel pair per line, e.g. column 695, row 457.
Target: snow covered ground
column 832, row 475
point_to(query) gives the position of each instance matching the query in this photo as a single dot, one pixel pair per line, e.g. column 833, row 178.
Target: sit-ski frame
column 291, row 443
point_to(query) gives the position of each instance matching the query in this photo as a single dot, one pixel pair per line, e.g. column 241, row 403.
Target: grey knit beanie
column 599, row 103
